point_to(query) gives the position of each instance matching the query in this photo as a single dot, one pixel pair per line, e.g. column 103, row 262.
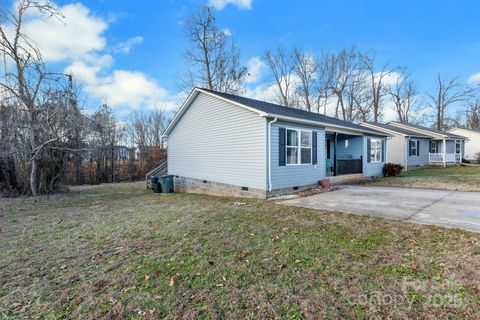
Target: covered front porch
column 445, row 152
column 344, row 153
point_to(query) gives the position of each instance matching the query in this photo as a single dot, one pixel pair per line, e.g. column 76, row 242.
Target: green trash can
column 167, row 183
column 155, row 185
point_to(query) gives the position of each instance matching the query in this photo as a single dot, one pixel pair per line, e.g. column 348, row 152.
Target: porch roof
column 432, row 132
column 399, row 130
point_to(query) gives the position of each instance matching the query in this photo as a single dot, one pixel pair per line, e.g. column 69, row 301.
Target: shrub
column 392, row 169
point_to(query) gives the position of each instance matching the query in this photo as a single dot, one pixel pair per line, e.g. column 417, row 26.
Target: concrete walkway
column 444, row 208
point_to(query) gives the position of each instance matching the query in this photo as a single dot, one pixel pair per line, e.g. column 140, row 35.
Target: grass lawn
column 117, row 251
column 450, row 178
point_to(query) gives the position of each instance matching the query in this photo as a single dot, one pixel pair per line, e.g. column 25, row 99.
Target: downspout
column 407, row 153
column 269, row 151
column 444, row 153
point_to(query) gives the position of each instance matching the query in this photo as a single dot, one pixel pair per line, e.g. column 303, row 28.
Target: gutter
column 269, row 151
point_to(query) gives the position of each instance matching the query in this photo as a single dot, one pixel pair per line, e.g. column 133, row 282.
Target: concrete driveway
column 444, row 208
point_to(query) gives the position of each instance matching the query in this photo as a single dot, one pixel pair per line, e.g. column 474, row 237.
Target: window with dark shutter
column 383, row 150
column 281, row 147
column 369, row 150
column 314, row 147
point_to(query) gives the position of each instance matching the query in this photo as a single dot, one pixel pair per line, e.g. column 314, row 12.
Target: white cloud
column 122, row 87
column 220, row 4
column 77, row 34
column 78, row 41
column 474, row 78
column 227, row 32
column 126, row 46
column 255, row 66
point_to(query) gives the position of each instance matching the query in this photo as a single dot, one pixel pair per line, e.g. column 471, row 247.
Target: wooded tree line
column 43, row 129
column 349, row 84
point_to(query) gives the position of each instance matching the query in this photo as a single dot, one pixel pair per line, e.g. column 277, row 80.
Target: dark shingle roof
column 399, row 130
column 445, row 133
column 275, row 109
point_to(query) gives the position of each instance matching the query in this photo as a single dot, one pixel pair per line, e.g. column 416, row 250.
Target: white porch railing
column 435, row 158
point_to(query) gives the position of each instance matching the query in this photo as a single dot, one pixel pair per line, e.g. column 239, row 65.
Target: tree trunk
column 33, row 177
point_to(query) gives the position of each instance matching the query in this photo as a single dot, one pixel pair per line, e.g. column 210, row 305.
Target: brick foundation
column 192, row 185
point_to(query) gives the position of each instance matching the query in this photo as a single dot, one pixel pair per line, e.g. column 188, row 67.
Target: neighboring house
column 225, row 144
column 416, row 146
column 406, row 147
column 472, row 145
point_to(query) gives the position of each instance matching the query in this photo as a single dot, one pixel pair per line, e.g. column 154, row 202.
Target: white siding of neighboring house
column 297, row 175
column 473, row 145
column 371, row 169
column 396, row 149
column 221, row 142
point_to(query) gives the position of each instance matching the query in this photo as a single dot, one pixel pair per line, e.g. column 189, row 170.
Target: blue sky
column 141, row 42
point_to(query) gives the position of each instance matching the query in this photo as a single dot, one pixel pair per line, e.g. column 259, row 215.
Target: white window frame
column 298, row 147
column 459, row 143
column 434, row 143
column 416, row 154
column 376, row 151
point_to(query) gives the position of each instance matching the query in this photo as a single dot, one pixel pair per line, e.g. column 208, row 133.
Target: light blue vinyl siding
column 220, row 142
column 422, row 159
column 354, row 149
column 372, row 169
column 296, row 175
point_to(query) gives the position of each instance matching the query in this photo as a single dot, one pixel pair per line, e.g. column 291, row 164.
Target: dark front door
column 328, row 149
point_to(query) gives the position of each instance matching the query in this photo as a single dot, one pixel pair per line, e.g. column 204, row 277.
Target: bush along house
column 225, row 144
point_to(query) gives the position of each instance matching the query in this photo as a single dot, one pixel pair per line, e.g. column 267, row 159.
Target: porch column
column 444, row 153
column 334, row 154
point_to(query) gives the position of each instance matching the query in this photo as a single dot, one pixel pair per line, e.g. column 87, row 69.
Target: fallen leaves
column 173, row 279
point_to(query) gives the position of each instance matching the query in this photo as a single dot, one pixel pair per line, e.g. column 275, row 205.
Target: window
column 375, row 150
column 458, row 146
column 413, row 148
column 299, row 147
column 433, row 146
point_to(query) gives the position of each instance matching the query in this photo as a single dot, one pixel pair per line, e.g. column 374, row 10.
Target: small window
column 433, row 146
column 413, row 145
column 376, row 150
column 458, row 146
column 299, row 147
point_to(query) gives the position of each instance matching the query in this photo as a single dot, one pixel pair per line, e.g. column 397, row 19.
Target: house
column 225, row 144
column 417, row 146
column 472, row 145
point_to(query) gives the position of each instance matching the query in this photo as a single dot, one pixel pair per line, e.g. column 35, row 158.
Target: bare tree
column 322, row 83
column 36, row 98
column 376, row 80
column 448, row 92
column 281, row 69
column 305, row 67
column 214, row 57
column 342, row 68
column 405, row 97
column 472, row 114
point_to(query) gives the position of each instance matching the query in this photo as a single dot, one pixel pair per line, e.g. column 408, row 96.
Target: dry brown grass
column 117, row 251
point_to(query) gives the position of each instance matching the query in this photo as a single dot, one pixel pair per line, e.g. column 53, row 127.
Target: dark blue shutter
column 281, row 147
column 314, row 147
column 369, row 149
column 418, row 148
column 409, row 148
column 383, row 150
